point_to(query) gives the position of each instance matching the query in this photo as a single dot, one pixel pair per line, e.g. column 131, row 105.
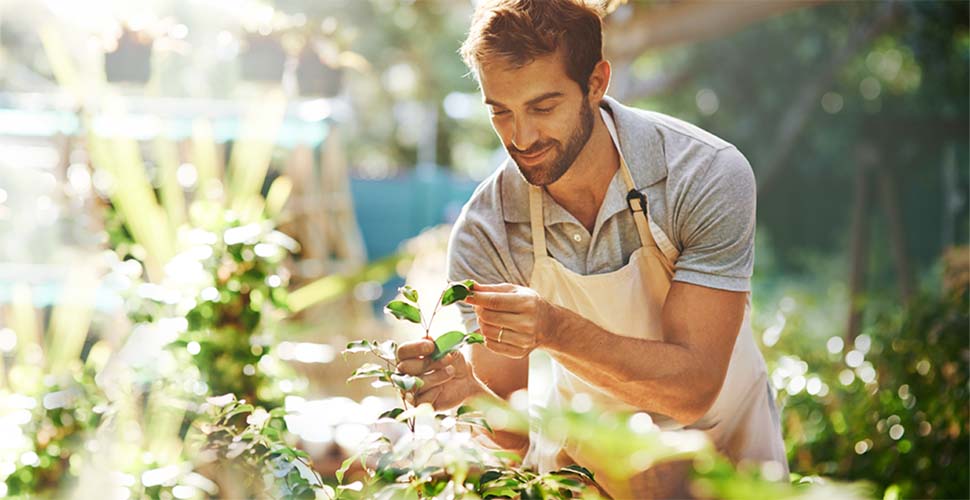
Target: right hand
column 448, row 382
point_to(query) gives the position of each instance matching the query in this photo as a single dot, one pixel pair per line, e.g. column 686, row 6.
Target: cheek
column 502, row 129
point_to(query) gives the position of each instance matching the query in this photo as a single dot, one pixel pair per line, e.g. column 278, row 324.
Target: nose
column 524, row 134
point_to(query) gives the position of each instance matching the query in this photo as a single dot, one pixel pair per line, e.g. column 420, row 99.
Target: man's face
column 541, row 115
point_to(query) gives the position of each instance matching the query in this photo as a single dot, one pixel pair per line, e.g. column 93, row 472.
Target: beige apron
column 743, row 423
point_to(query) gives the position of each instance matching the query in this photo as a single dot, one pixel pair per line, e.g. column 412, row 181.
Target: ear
column 599, row 81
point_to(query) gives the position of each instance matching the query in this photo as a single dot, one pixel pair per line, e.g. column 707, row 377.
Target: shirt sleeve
column 473, row 255
column 718, row 226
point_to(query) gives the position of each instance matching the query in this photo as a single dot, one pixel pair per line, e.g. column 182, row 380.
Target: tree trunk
column 897, row 233
column 859, row 251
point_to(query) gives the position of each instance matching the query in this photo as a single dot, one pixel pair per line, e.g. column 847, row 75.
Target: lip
column 532, row 159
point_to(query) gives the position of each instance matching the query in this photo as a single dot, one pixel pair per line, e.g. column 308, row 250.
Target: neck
column 583, row 187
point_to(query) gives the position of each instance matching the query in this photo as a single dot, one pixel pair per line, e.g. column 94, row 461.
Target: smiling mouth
column 533, row 157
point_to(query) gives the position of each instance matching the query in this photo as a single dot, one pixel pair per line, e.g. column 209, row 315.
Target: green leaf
column 457, row 292
column 474, row 338
column 446, row 343
column 243, row 408
column 409, row 293
column 358, row 346
column 369, row 370
column 387, row 350
column 502, row 492
column 392, row 413
column 343, row 468
column 406, row 382
column 463, row 409
column 508, row 456
column 477, row 421
column 489, row 475
column 578, row 470
column 403, row 310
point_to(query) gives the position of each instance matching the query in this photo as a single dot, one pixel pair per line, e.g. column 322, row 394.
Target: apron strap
column 650, row 233
column 538, row 225
column 637, row 202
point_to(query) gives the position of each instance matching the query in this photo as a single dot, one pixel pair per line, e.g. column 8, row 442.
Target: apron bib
column 743, row 422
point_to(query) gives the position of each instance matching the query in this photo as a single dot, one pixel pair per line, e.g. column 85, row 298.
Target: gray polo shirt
column 701, row 193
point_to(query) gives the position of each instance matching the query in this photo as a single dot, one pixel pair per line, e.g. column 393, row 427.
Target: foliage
column 58, row 420
column 443, row 459
column 227, row 332
column 251, row 442
column 890, row 407
column 901, row 92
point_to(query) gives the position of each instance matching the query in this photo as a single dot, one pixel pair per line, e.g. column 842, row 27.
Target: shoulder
column 478, row 247
column 484, row 207
column 679, row 132
column 695, row 157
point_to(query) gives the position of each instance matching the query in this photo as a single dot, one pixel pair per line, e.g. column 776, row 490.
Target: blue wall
column 392, row 210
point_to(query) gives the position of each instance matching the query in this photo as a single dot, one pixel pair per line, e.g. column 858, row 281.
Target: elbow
column 704, row 394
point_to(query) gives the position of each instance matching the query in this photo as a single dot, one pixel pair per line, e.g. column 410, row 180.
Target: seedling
column 385, row 373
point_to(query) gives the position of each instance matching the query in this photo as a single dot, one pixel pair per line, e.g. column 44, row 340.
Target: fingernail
column 450, row 370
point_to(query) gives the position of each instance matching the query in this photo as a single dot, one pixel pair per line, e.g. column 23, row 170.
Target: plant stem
column 427, row 330
column 401, row 393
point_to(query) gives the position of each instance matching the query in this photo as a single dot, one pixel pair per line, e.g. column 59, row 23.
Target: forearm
column 507, row 440
column 656, row 376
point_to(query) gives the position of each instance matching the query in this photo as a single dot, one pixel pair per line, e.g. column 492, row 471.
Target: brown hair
column 519, row 31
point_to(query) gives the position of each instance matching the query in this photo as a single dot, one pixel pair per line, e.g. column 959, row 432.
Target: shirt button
column 577, row 237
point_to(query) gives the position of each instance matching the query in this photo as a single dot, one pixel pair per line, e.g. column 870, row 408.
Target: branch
column 684, row 22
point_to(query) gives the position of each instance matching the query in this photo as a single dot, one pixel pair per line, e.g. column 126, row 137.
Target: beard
column 562, row 156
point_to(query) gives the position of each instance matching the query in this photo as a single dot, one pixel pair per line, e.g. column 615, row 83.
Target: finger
column 419, row 366
column 498, row 301
column 509, row 336
column 506, row 350
column 496, row 287
column 515, row 321
column 428, row 396
column 435, row 378
column 415, row 348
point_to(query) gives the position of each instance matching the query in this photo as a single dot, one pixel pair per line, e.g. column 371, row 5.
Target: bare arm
column 679, row 376
column 503, row 376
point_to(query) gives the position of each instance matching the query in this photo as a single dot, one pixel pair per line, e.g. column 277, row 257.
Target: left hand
column 524, row 319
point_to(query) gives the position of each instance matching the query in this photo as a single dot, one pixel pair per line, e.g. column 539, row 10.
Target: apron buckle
column 635, row 195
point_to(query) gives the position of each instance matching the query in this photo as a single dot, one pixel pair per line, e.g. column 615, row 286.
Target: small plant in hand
column 445, row 464
column 385, row 373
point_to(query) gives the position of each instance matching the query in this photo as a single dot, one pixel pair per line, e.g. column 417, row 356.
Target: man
column 617, row 241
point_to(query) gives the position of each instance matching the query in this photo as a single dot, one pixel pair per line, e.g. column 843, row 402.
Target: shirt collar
column 641, row 146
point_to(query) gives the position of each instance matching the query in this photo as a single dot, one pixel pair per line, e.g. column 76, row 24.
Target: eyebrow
column 531, row 102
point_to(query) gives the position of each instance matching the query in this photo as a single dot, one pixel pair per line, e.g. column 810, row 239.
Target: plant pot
column 262, row 59
column 131, row 60
column 317, row 78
